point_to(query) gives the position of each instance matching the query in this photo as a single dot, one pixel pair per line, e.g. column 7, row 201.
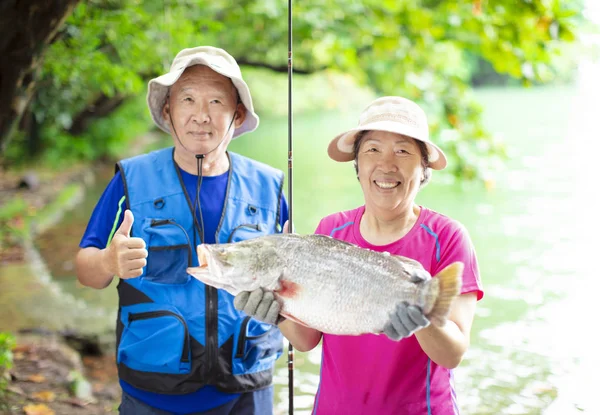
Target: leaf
column 39, row 409
column 76, row 402
column 15, row 389
column 46, row 396
column 81, row 388
column 22, row 348
column 36, row 378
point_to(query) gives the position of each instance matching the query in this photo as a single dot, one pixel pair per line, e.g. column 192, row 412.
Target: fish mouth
column 209, row 272
column 386, row 184
column 209, row 255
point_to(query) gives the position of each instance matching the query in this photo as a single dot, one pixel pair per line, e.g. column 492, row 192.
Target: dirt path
column 50, row 378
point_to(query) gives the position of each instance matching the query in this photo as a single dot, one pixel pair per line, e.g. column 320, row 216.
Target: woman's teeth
column 387, row 185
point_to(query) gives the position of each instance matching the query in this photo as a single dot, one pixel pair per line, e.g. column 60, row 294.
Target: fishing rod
column 290, row 361
column 290, row 200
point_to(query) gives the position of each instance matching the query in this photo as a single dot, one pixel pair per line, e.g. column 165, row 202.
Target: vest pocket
column 247, row 231
column 169, row 252
column 256, row 346
column 155, row 339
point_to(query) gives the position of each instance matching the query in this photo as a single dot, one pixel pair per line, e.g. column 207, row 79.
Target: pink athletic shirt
column 371, row 374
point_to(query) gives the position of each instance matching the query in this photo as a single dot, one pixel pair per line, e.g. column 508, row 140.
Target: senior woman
column 409, row 370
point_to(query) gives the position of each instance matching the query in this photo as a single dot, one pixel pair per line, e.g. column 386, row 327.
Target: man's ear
column 240, row 115
column 165, row 111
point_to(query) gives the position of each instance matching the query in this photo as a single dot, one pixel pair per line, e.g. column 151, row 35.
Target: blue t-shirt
column 107, row 217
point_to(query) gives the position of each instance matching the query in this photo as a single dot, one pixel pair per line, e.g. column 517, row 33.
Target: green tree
column 107, row 50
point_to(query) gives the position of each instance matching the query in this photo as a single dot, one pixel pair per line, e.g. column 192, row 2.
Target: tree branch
column 27, row 29
column 276, row 68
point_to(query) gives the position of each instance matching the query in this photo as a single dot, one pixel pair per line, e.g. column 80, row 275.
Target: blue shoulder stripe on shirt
column 334, row 230
column 428, row 385
column 437, row 242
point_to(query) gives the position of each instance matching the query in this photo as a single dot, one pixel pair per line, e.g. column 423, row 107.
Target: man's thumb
column 125, row 228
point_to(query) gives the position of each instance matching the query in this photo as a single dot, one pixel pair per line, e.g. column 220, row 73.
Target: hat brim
column 342, row 146
column 158, row 88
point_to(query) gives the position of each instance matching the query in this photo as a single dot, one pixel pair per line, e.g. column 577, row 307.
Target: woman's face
column 389, row 170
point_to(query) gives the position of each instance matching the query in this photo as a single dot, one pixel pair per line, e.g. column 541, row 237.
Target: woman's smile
column 386, row 184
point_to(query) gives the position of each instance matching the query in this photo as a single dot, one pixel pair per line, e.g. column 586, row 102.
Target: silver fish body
column 327, row 284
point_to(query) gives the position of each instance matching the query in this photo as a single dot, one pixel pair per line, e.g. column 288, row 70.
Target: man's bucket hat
column 216, row 59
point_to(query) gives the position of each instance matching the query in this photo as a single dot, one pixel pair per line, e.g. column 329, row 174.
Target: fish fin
column 294, row 319
column 449, row 281
column 317, row 236
column 405, row 262
column 287, row 289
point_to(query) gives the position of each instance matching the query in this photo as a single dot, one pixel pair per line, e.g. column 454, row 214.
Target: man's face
column 201, row 107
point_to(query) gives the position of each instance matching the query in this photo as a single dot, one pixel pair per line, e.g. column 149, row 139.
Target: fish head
column 236, row 267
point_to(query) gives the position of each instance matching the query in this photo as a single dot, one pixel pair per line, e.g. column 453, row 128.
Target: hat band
column 395, row 117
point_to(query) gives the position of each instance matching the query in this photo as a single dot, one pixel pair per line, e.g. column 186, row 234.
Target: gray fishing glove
column 404, row 321
column 258, row 304
column 407, row 319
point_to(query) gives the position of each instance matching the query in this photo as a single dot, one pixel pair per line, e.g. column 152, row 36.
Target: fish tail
column 449, row 281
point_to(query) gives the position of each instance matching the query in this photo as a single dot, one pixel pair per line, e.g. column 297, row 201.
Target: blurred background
column 511, row 90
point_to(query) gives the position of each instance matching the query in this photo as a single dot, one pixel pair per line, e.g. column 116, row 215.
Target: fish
column 327, row 284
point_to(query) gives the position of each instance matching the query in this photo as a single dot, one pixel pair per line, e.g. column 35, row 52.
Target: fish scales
column 327, row 284
column 359, row 287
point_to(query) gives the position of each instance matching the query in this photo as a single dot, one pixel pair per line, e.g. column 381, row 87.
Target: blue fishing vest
column 174, row 333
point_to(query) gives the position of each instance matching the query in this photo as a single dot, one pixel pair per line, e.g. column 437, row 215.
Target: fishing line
column 199, row 159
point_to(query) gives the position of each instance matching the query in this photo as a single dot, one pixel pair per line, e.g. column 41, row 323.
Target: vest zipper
column 212, row 312
column 242, row 339
column 185, row 354
column 212, row 328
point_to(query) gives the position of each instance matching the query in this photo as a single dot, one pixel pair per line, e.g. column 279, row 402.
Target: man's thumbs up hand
column 125, row 228
column 125, row 257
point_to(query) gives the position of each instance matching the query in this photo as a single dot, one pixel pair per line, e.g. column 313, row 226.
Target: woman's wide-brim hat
column 393, row 114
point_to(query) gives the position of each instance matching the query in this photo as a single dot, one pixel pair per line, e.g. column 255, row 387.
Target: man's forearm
column 91, row 269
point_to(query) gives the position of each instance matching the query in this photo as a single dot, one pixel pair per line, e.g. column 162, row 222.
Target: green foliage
column 106, row 137
column 321, row 91
column 14, row 228
column 425, row 50
column 7, row 343
column 19, row 219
